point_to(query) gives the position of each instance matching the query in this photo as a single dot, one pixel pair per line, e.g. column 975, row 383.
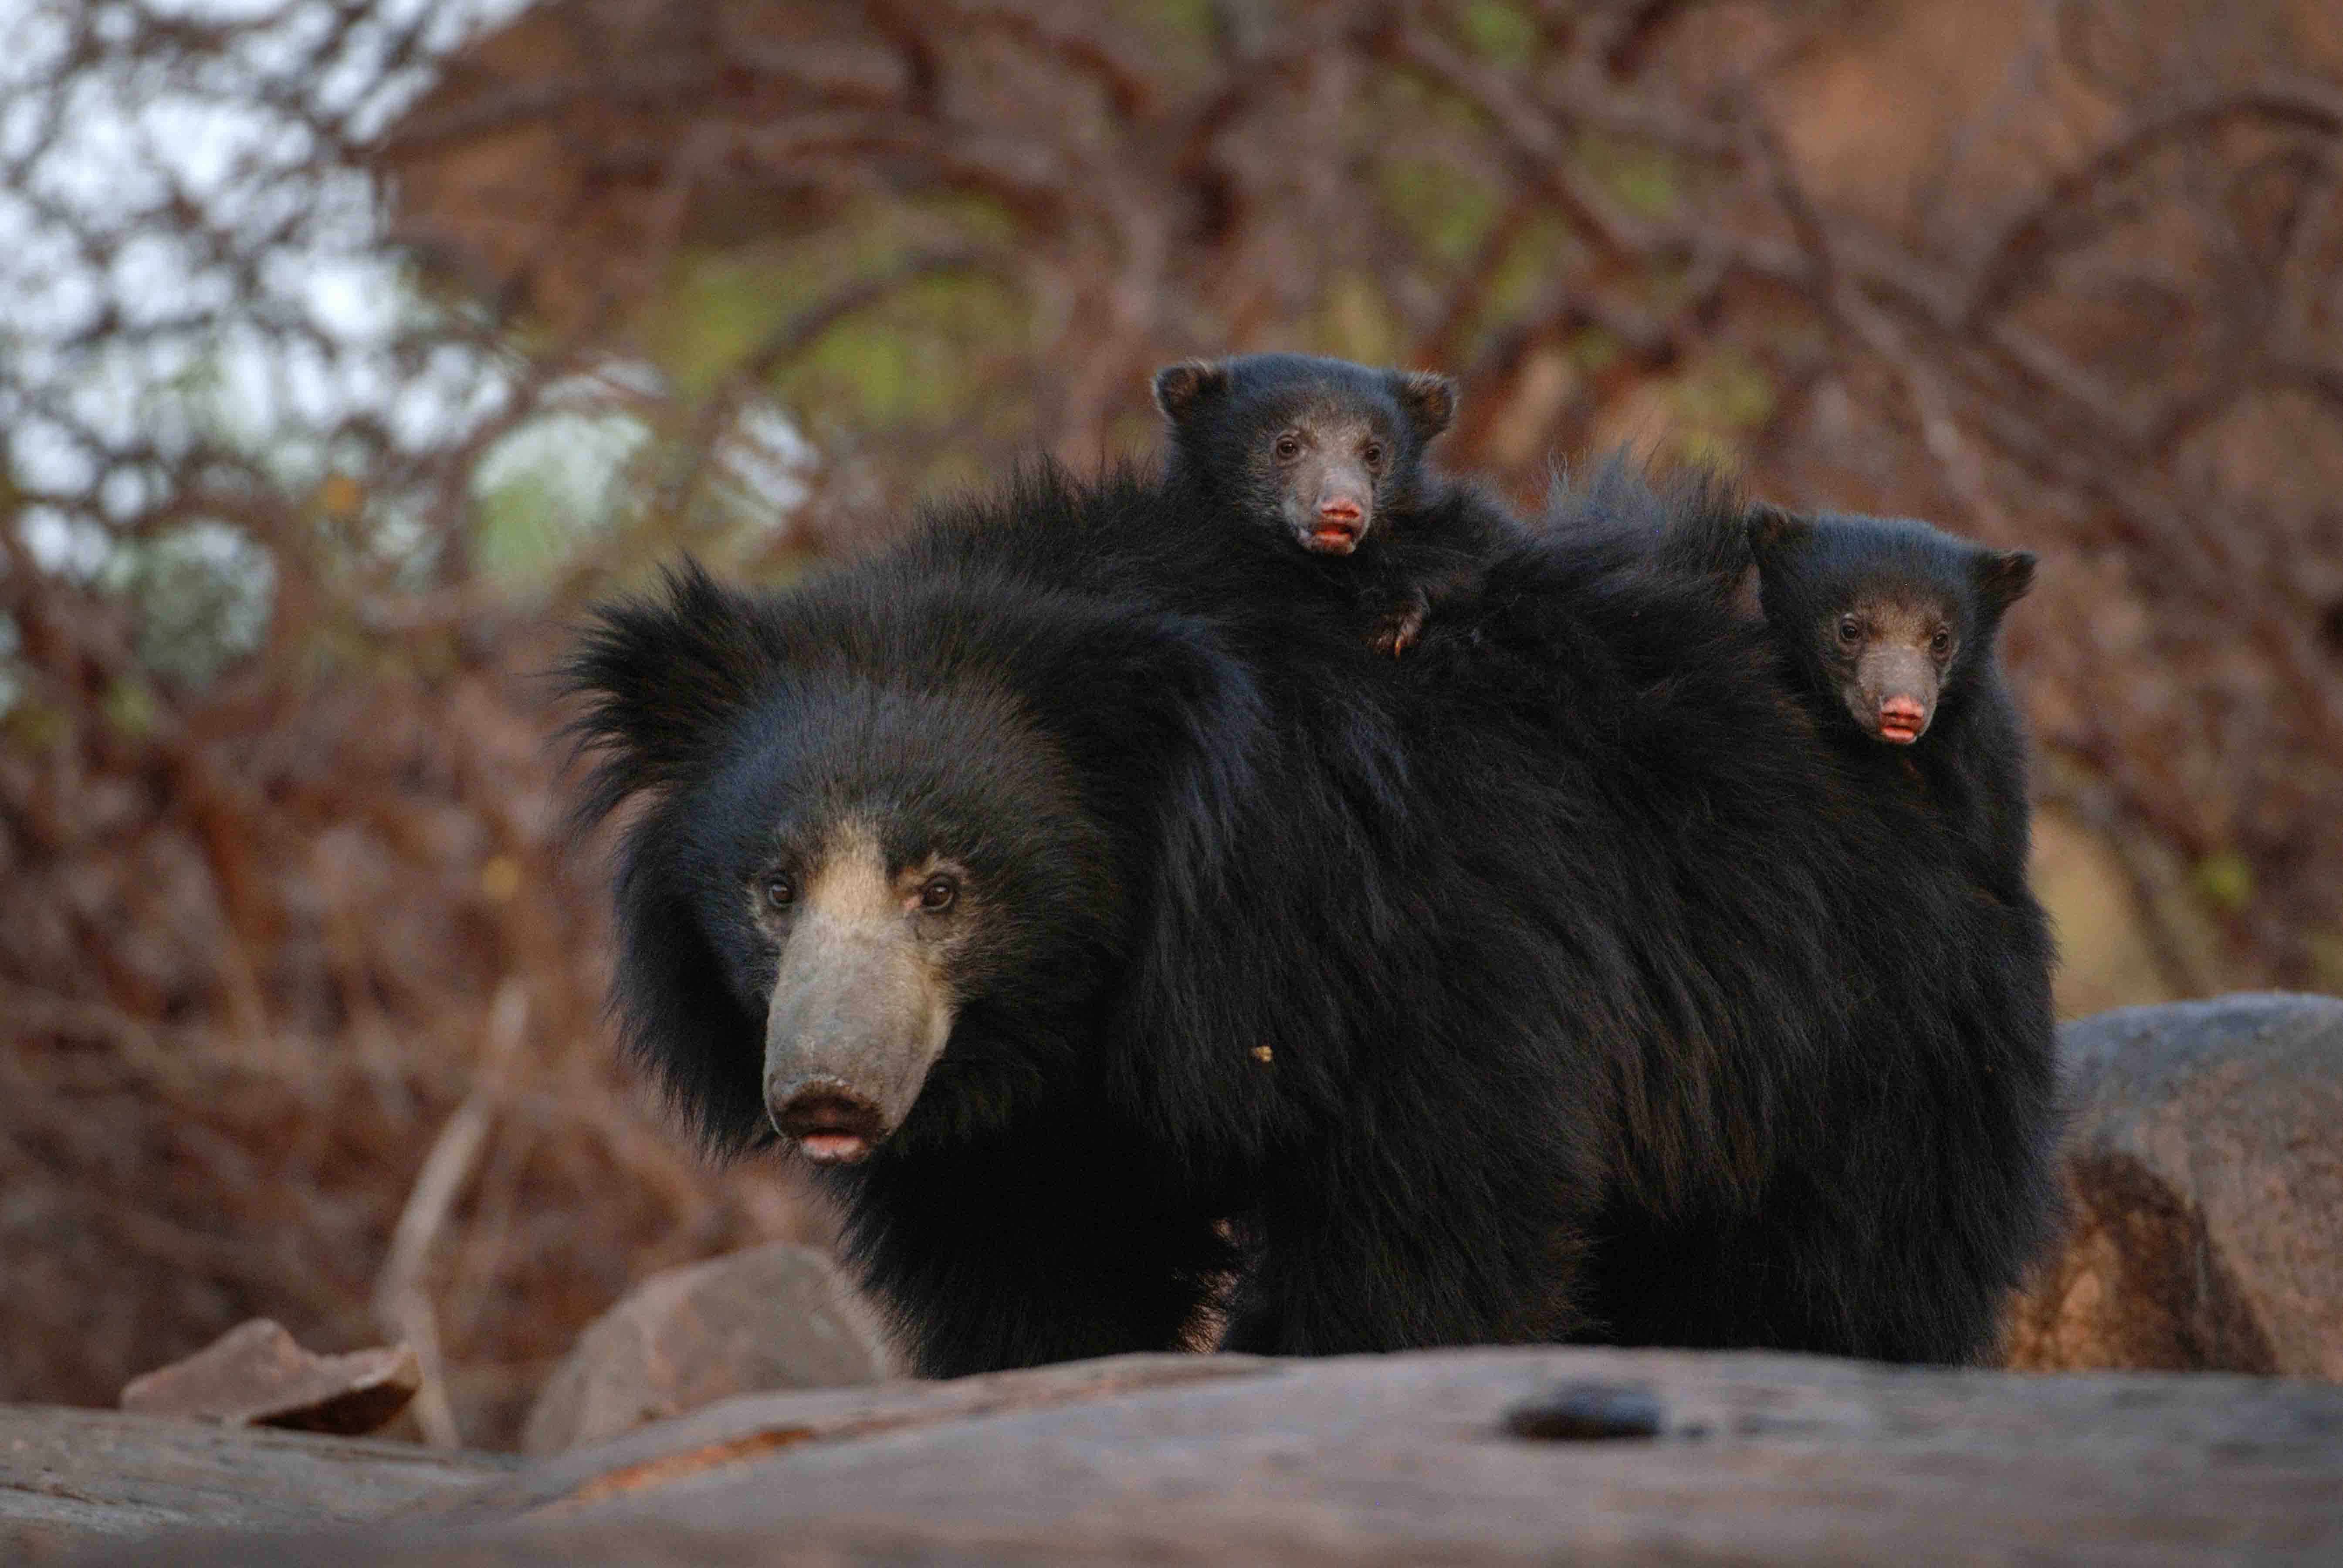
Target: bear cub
column 1888, row 628
column 1328, row 458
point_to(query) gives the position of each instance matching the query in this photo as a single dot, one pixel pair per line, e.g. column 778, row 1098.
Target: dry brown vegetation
column 290, row 948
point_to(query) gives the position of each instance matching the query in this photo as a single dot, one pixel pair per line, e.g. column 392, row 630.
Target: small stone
column 1587, row 1412
column 257, row 1375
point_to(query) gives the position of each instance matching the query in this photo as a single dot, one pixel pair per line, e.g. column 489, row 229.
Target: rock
column 256, row 1375
column 773, row 1317
column 68, row 1475
column 2205, row 1166
column 1489, row 1455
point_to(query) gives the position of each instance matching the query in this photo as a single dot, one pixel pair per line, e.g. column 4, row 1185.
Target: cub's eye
column 939, row 894
column 1289, row 447
column 1942, row 643
column 1373, row 453
column 1850, row 630
column 779, row 892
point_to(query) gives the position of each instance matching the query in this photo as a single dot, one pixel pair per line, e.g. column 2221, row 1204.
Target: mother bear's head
column 888, row 844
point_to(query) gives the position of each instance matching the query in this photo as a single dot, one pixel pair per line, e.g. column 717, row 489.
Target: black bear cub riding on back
column 1888, row 628
column 1329, row 457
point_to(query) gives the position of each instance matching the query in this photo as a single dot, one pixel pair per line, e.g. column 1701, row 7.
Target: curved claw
column 1400, row 632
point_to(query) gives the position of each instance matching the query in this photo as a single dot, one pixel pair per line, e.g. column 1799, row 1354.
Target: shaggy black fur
column 1554, row 983
column 1036, row 739
column 1428, row 537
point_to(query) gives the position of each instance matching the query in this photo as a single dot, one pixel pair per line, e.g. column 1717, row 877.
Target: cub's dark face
column 889, row 881
column 1885, row 614
column 1324, row 450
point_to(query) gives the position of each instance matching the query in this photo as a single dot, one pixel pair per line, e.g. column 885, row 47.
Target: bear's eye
column 1942, row 643
column 1289, row 447
column 937, row 894
column 779, row 891
column 1850, row 630
column 1373, row 453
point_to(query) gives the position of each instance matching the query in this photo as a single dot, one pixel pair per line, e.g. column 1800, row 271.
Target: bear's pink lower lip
column 833, row 1148
column 1898, row 734
column 1341, row 541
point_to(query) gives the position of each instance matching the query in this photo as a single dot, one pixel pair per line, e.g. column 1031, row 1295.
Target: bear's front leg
column 992, row 1259
column 1407, row 1266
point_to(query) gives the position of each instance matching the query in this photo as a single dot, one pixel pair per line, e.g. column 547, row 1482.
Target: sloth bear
column 1886, row 627
column 1074, row 913
column 1331, row 456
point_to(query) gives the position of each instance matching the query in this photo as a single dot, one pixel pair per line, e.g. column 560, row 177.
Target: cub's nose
column 1902, row 718
column 1338, row 526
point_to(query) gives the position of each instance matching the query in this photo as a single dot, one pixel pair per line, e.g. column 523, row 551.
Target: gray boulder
column 2204, row 1163
column 773, row 1317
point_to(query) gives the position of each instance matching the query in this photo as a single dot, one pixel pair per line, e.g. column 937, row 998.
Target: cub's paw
column 1399, row 631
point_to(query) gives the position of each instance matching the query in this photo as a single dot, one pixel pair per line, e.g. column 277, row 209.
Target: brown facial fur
column 1890, row 656
column 1327, row 467
column 861, row 1003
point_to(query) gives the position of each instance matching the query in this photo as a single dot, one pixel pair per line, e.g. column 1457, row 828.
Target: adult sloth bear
column 1063, row 891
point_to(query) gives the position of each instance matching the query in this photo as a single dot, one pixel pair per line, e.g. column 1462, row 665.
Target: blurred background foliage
column 348, row 347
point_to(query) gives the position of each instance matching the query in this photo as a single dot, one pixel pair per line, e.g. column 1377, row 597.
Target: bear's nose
column 829, row 1123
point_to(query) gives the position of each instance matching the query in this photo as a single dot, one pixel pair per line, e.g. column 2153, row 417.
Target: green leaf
column 2225, row 879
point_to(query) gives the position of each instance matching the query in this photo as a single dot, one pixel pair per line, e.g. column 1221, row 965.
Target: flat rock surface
column 1664, row 1457
column 66, row 1474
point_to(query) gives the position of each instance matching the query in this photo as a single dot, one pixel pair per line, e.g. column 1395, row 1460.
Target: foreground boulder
column 773, row 1317
column 1494, row 1455
column 2204, row 1165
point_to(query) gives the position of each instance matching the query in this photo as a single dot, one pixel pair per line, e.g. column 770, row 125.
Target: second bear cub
column 1888, row 628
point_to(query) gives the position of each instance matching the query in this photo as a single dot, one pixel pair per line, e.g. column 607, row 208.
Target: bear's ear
column 1182, row 390
column 1428, row 399
column 1772, row 532
column 2002, row 577
column 656, row 680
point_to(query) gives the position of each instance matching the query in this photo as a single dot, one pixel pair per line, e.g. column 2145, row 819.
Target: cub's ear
column 2003, row 576
column 656, row 680
column 1429, row 401
column 1772, row 531
column 1180, row 390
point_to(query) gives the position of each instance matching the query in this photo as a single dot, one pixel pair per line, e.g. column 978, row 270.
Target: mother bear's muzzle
column 857, row 1017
